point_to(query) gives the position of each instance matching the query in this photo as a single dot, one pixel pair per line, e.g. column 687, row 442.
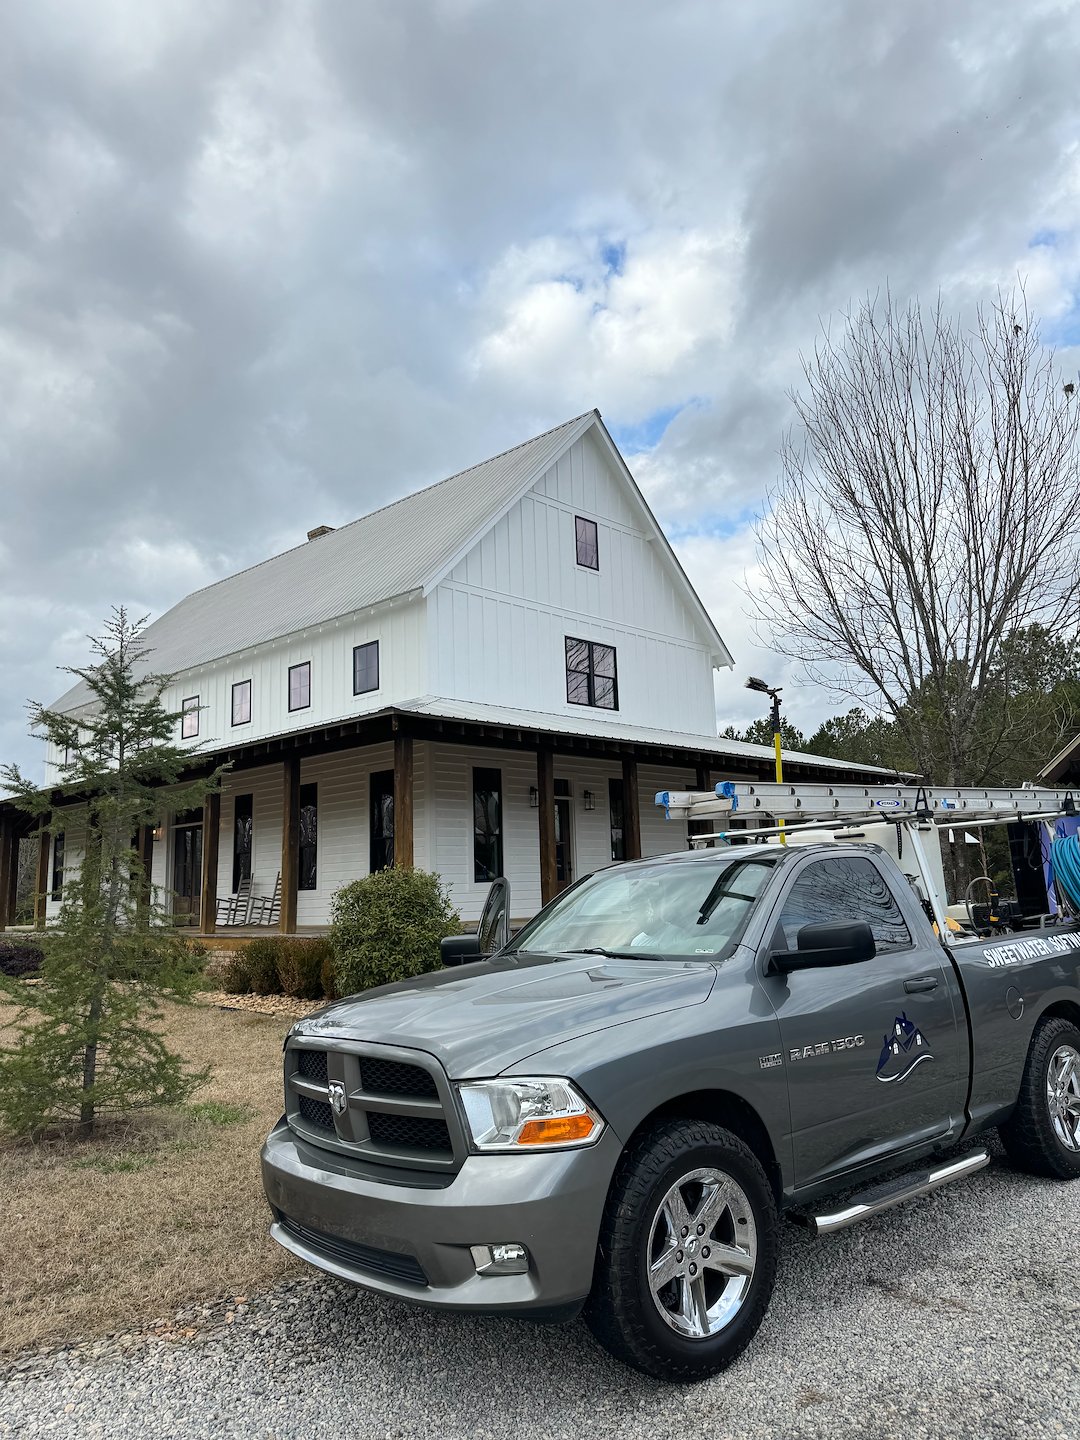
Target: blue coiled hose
column 1065, row 861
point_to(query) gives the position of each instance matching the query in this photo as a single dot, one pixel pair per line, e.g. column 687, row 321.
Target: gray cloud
column 271, row 265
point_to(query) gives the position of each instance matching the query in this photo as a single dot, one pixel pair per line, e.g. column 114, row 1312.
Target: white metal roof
column 392, row 552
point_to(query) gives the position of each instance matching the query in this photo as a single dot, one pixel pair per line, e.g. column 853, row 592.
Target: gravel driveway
column 958, row 1315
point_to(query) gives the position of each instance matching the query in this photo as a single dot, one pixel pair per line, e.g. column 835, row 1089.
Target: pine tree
column 86, row 1037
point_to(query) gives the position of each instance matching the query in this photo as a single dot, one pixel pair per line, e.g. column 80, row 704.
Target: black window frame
column 189, row 707
column 590, row 674
column 617, row 817
column 582, row 526
column 839, row 900
column 308, row 857
column 243, row 810
column 56, row 889
column 301, row 665
column 380, row 834
column 367, row 646
column 487, row 781
column 239, row 685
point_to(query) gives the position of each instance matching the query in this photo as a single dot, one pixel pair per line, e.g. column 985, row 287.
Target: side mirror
column 494, row 927
column 829, row 942
column 460, row 949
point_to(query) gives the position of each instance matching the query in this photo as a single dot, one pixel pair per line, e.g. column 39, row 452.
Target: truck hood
column 478, row 1019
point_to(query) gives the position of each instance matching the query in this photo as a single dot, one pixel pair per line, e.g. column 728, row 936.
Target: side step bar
column 865, row 1203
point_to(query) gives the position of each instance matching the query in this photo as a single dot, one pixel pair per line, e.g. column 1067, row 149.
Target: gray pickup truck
column 612, row 1112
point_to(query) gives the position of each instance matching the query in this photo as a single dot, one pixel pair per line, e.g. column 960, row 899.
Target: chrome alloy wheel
column 702, row 1250
column 1063, row 1095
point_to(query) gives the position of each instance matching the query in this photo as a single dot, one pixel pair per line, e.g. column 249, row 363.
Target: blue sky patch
column 613, row 254
column 646, row 434
column 1044, row 237
column 712, row 525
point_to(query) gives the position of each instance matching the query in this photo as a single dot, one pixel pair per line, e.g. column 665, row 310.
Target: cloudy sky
column 270, row 265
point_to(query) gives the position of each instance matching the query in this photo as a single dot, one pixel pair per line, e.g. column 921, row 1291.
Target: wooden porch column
column 211, row 837
column 545, row 784
column 9, row 869
column 403, row 802
column 290, row 843
column 631, row 809
column 41, row 880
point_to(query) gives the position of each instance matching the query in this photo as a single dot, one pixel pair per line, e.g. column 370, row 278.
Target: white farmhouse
column 489, row 677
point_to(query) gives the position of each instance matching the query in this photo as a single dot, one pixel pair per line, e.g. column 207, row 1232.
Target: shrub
column 234, row 973
column 20, row 957
column 387, row 927
column 262, row 965
column 328, row 974
column 300, row 967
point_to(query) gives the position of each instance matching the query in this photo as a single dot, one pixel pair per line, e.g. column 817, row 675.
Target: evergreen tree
column 86, row 1037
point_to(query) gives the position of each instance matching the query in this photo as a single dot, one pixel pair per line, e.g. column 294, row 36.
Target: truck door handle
column 924, row 982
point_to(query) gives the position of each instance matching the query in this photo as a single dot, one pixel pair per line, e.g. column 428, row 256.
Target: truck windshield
column 676, row 907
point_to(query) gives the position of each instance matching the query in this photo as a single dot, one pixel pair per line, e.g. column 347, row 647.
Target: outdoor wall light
column 589, row 798
column 159, row 831
column 534, row 798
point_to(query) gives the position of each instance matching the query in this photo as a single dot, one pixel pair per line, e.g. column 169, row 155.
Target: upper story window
column 241, row 702
column 590, row 674
column 189, row 718
column 300, row 686
column 365, row 667
column 588, row 546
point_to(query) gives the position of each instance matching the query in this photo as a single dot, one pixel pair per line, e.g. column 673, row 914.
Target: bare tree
column 928, row 508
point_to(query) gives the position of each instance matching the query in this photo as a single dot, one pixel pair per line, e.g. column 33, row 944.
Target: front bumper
column 375, row 1231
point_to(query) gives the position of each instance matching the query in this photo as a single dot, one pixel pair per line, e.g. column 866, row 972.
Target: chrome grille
column 391, row 1106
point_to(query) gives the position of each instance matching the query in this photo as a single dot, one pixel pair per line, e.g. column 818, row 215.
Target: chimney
column 320, row 530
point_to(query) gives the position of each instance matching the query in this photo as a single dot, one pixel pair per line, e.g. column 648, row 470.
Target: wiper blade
column 615, row 954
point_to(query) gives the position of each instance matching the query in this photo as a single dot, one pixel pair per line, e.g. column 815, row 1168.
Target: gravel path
column 958, row 1315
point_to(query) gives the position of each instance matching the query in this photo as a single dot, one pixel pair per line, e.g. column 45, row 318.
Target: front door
column 873, row 1050
column 564, row 859
column 187, row 866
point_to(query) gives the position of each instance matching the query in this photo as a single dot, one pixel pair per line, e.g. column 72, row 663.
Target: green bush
column 387, row 927
column 300, row 965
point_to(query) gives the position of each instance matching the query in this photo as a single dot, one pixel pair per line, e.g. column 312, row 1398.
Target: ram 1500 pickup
column 612, row 1112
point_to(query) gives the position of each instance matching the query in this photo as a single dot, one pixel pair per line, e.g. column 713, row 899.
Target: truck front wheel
column 687, row 1255
column 1042, row 1135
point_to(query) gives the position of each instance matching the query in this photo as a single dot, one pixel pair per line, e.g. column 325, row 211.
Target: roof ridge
column 368, row 515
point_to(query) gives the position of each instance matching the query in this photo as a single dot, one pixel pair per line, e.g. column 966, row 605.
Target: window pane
column 382, row 820
column 603, row 660
column 366, row 667
column 577, row 688
column 487, row 824
column 604, row 694
column 577, row 654
column 615, row 806
column 242, row 834
column 844, row 889
column 241, row 702
column 189, row 724
column 309, row 834
column 58, row 866
column 300, row 686
column 586, row 539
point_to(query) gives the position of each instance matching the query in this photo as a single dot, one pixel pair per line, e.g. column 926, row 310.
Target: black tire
column 1029, row 1135
column 621, row 1311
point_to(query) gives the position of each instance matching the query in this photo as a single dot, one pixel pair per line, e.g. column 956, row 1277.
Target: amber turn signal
column 557, row 1130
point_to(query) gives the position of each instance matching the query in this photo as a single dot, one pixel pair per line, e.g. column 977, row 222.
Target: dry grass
column 155, row 1212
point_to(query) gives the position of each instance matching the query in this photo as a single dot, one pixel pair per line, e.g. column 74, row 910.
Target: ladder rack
column 832, row 803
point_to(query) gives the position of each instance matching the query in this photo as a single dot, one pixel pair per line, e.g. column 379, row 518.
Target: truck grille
column 397, row 1111
column 364, row 1257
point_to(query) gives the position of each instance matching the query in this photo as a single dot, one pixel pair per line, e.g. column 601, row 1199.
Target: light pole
column 774, row 695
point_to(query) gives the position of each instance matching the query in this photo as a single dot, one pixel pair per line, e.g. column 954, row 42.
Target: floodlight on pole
column 773, row 692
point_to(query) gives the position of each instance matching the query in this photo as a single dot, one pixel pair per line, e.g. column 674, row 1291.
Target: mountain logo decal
column 901, row 1051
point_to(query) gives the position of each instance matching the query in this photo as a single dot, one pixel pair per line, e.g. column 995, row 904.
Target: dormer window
column 588, row 544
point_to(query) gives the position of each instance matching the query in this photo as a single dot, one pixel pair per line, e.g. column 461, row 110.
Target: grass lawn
column 156, row 1211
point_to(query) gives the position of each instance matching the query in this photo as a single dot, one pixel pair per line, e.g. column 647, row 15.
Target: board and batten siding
column 498, row 622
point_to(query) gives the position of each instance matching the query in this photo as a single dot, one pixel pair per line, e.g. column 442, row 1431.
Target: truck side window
column 847, row 888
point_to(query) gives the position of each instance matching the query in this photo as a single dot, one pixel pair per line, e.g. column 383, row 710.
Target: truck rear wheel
column 1042, row 1135
column 687, row 1255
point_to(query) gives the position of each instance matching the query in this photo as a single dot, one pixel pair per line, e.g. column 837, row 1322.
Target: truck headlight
column 529, row 1114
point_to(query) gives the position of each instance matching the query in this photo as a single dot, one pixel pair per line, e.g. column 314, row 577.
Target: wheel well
column 1063, row 1010
column 733, row 1113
